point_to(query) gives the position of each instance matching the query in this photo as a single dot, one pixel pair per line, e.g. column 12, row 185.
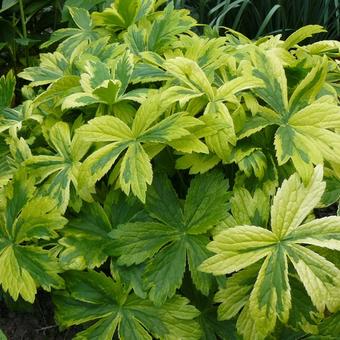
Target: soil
column 32, row 322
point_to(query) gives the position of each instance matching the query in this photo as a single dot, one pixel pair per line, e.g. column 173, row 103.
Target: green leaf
column 164, row 272
column 2, row 335
column 241, row 246
column 294, row 201
column 332, row 192
column 248, row 209
column 163, row 204
column 25, row 265
column 270, row 70
column 122, row 14
column 86, row 242
column 76, row 100
column 303, row 314
column 220, row 136
column 236, row 293
column 135, row 171
column 307, row 90
column 169, row 129
column 58, row 90
column 111, row 307
column 81, row 17
column 74, row 36
column 7, row 87
column 237, row 248
column 196, row 254
column 330, row 326
column 98, row 164
column 237, row 85
column 205, row 204
column 108, row 91
column 190, row 74
column 271, row 297
column 197, row 163
column 63, row 167
column 172, row 236
column 302, row 34
column 38, row 219
column 136, row 242
column 124, row 71
column 18, row 193
column 265, row 117
column 319, row 277
column 246, row 326
column 323, row 232
column 105, row 129
column 24, row 268
column 52, row 67
column 167, row 27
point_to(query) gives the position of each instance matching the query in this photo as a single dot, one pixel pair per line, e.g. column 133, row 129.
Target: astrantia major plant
column 150, row 173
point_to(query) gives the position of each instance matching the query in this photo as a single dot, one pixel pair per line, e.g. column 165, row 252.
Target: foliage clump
column 151, row 172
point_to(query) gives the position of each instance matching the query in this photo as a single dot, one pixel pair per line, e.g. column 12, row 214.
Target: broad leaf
column 241, row 246
column 25, row 265
column 110, row 305
column 175, row 235
column 63, row 167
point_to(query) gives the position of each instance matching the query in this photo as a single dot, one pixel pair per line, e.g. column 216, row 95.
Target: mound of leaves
column 161, row 184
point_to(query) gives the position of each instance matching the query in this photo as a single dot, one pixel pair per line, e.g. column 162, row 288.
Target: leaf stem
column 24, row 28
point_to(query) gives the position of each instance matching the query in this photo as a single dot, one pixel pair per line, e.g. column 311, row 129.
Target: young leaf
column 135, row 168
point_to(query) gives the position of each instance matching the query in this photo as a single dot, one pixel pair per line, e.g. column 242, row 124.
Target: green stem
column 24, row 29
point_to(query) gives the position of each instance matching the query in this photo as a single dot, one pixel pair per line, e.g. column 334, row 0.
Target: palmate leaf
column 102, row 84
column 74, row 36
column 249, row 209
column 95, row 297
column 135, row 168
column 161, row 32
column 241, row 246
column 306, row 124
column 86, row 242
column 122, row 14
column 175, row 235
column 62, row 168
column 219, row 130
column 53, row 66
column 24, row 264
column 190, row 74
column 197, row 163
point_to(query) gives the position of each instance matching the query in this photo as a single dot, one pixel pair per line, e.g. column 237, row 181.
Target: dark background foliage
column 25, row 24
column 255, row 18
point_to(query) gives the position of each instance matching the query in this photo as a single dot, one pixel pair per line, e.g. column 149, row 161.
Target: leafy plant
column 241, row 246
column 137, row 143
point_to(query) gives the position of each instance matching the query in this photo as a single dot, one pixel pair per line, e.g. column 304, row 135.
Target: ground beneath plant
column 32, row 322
